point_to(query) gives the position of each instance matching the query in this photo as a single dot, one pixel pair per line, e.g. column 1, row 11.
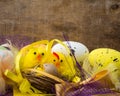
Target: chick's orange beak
column 39, row 57
column 57, row 64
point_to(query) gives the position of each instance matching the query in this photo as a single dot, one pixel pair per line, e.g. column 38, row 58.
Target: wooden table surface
column 96, row 23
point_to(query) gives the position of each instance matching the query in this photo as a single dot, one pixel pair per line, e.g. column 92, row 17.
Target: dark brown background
column 96, row 23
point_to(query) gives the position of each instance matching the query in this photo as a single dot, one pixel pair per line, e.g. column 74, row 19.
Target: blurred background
column 95, row 23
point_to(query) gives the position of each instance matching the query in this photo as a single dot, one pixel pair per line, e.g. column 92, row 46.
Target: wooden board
column 95, row 23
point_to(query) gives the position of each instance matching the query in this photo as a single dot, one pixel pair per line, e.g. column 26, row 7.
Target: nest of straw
column 56, row 86
column 43, row 81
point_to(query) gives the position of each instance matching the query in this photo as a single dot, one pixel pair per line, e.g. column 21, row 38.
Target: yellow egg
column 103, row 56
column 105, row 59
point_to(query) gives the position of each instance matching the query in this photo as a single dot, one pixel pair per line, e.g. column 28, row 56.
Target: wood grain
column 95, row 23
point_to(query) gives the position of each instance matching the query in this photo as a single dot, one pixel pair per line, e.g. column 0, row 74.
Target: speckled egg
column 106, row 59
column 78, row 49
column 104, row 56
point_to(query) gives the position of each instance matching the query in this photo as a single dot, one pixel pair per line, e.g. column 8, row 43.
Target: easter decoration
column 80, row 50
column 85, row 87
column 7, row 54
column 105, row 59
column 54, row 68
column 23, row 83
column 88, row 87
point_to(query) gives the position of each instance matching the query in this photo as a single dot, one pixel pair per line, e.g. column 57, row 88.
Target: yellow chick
column 53, row 58
column 66, row 67
column 34, row 57
column 49, row 64
column 104, row 59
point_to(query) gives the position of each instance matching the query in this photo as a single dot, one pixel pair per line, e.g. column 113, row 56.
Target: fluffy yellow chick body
column 52, row 58
column 34, row 57
column 50, row 62
column 66, row 67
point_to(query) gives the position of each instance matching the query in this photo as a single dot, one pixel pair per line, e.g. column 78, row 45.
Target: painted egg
column 106, row 59
column 7, row 58
column 104, row 56
column 6, row 62
column 79, row 50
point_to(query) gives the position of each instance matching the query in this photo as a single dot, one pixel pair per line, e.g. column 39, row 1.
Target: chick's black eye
column 35, row 53
column 42, row 54
column 54, row 60
column 61, row 60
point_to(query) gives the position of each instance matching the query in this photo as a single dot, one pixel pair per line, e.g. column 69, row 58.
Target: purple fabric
column 9, row 92
column 89, row 90
column 17, row 40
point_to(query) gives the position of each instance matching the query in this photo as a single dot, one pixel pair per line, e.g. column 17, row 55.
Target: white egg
column 80, row 50
column 51, row 69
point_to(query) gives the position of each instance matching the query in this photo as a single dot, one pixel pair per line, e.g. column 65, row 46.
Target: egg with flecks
column 102, row 57
column 105, row 59
column 79, row 50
